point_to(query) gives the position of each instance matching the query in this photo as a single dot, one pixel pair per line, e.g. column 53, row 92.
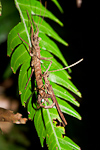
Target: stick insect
column 36, row 68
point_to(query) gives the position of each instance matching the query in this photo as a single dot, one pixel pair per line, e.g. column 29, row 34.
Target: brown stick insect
column 36, row 68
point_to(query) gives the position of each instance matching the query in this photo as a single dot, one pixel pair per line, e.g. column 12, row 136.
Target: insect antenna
column 36, row 25
column 40, row 11
column 43, row 14
column 29, row 17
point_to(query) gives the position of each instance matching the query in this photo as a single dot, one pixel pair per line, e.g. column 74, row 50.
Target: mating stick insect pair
column 44, row 91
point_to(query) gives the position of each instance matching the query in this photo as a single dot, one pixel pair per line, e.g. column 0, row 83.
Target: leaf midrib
column 53, row 129
column 23, row 21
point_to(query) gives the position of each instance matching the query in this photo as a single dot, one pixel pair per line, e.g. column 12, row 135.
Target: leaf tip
column 79, row 94
column 20, row 92
column 59, row 22
column 69, row 77
column 28, row 113
column 13, row 70
column 80, row 118
column 29, row 118
column 77, row 103
column 8, row 55
column 23, row 105
column 43, row 137
column 67, row 44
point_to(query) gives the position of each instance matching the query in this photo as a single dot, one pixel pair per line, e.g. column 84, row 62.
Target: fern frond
column 19, row 52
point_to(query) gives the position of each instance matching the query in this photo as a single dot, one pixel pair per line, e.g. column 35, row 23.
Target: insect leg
column 47, row 107
column 29, row 78
column 41, row 104
column 26, row 43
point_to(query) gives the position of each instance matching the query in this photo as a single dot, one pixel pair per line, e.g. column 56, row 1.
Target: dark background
column 80, row 28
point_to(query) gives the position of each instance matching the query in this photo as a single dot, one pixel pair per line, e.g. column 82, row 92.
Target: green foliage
column 58, row 5
column 7, row 19
column 19, row 51
column 0, row 8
